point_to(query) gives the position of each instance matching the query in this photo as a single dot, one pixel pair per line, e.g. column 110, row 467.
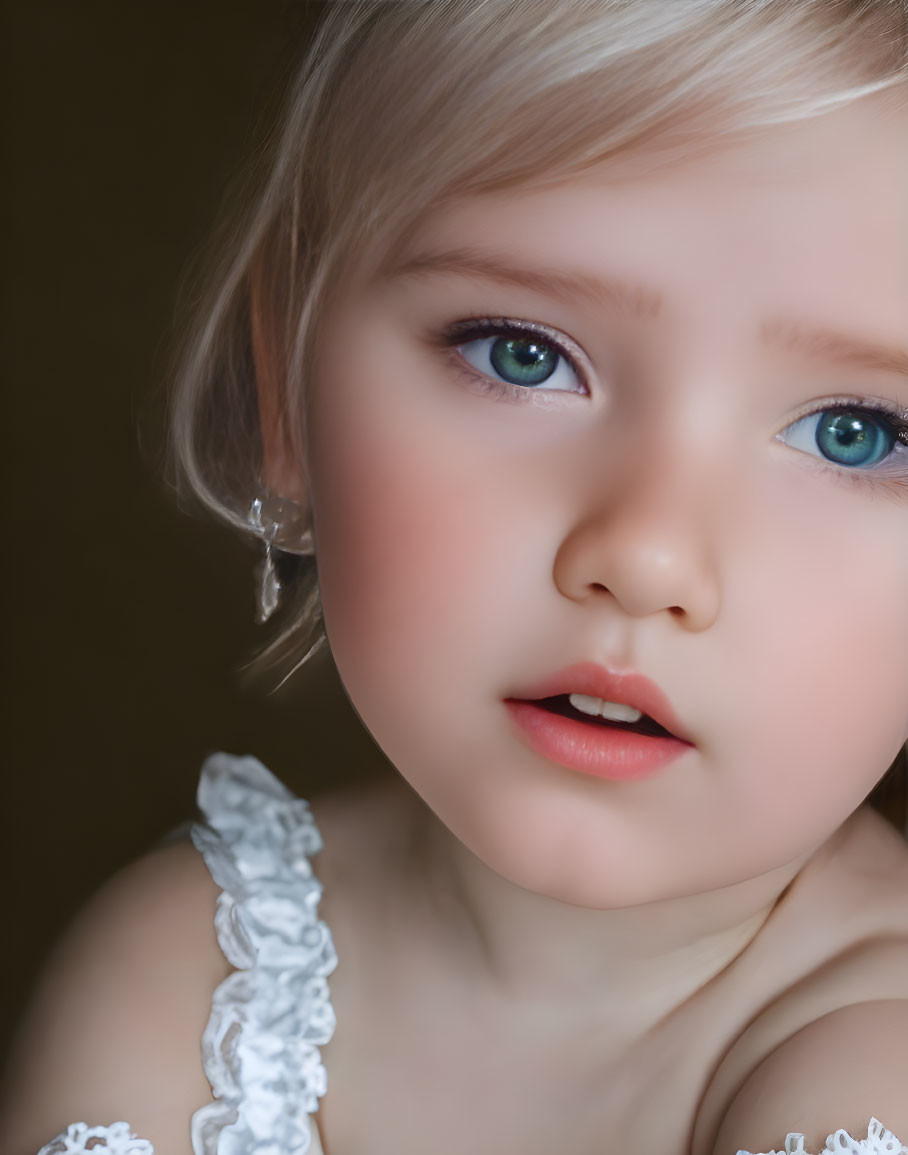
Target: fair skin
column 645, row 515
column 647, row 518
column 548, row 958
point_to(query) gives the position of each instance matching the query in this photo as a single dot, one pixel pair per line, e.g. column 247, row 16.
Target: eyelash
column 474, row 328
column 883, row 474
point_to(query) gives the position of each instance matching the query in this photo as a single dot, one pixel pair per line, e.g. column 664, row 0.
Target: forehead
column 816, row 210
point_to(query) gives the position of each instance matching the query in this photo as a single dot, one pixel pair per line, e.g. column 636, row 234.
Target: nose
column 651, row 547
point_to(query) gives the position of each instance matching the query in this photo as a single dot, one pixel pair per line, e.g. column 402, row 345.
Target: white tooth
column 585, row 703
column 614, row 711
column 619, row 712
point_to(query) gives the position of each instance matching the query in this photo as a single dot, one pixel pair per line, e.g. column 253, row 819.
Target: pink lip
column 601, row 751
column 631, row 689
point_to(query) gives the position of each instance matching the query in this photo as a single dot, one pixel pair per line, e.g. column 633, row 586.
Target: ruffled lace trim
column 879, row 1141
column 260, row 1049
column 119, row 1140
column 80, row 1139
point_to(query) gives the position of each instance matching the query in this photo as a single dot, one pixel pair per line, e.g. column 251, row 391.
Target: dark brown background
column 125, row 622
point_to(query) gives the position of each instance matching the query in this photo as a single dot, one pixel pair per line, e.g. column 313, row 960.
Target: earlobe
column 282, row 474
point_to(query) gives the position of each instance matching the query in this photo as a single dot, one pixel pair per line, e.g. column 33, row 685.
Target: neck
column 636, row 964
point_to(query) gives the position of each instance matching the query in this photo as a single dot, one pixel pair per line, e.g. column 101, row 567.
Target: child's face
column 662, row 507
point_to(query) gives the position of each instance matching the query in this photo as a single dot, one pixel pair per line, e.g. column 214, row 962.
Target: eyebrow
column 642, row 301
column 831, row 345
column 621, row 295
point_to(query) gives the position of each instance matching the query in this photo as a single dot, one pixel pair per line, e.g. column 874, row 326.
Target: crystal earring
column 281, row 525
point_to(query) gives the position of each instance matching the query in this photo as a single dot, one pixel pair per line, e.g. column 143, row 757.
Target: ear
column 283, row 473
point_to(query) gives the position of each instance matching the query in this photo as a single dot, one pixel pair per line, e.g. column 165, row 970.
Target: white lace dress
column 260, row 1049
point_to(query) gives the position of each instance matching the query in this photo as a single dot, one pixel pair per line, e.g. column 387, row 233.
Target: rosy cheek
column 826, row 629
column 394, row 541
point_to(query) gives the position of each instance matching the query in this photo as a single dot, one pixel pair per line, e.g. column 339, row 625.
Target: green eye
column 853, row 438
column 523, row 360
column 515, row 357
column 850, row 436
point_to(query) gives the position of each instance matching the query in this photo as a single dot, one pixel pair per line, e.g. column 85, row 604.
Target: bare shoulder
column 829, row 1048
column 839, row 1073
column 114, row 1030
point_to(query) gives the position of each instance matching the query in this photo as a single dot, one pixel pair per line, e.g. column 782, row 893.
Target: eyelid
column 889, row 474
column 483, row 326
column 885, row 405
column 890, row 411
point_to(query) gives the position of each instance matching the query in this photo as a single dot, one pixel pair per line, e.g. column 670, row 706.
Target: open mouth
column 560, row 704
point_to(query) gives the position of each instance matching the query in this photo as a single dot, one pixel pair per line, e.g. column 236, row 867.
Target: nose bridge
column 649, row 537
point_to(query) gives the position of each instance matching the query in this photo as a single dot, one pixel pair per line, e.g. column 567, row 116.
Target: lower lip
column 598, row 750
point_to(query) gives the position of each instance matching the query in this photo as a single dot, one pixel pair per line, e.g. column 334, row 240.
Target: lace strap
column 261, row 1047
column 80, row 1139
column 879, row 1141
column 268, row 1019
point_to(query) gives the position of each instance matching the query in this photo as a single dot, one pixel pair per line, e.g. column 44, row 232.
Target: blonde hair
column 401, row 105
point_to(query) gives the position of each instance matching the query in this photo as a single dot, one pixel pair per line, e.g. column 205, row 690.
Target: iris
column 523, row 360
column 849, row 438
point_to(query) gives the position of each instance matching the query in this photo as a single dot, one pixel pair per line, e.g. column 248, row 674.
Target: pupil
column 523, row 360
column 853, row 439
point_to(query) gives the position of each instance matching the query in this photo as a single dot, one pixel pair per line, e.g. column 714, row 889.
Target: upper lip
column 612, row 686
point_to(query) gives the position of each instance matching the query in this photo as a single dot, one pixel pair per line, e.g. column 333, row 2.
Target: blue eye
column 521, row 357
column 522, row 360
column 850, row 436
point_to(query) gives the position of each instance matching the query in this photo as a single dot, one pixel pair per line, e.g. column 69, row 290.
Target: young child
column 568, row 338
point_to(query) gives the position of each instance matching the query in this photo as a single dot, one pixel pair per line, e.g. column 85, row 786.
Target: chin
column 567, row 869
